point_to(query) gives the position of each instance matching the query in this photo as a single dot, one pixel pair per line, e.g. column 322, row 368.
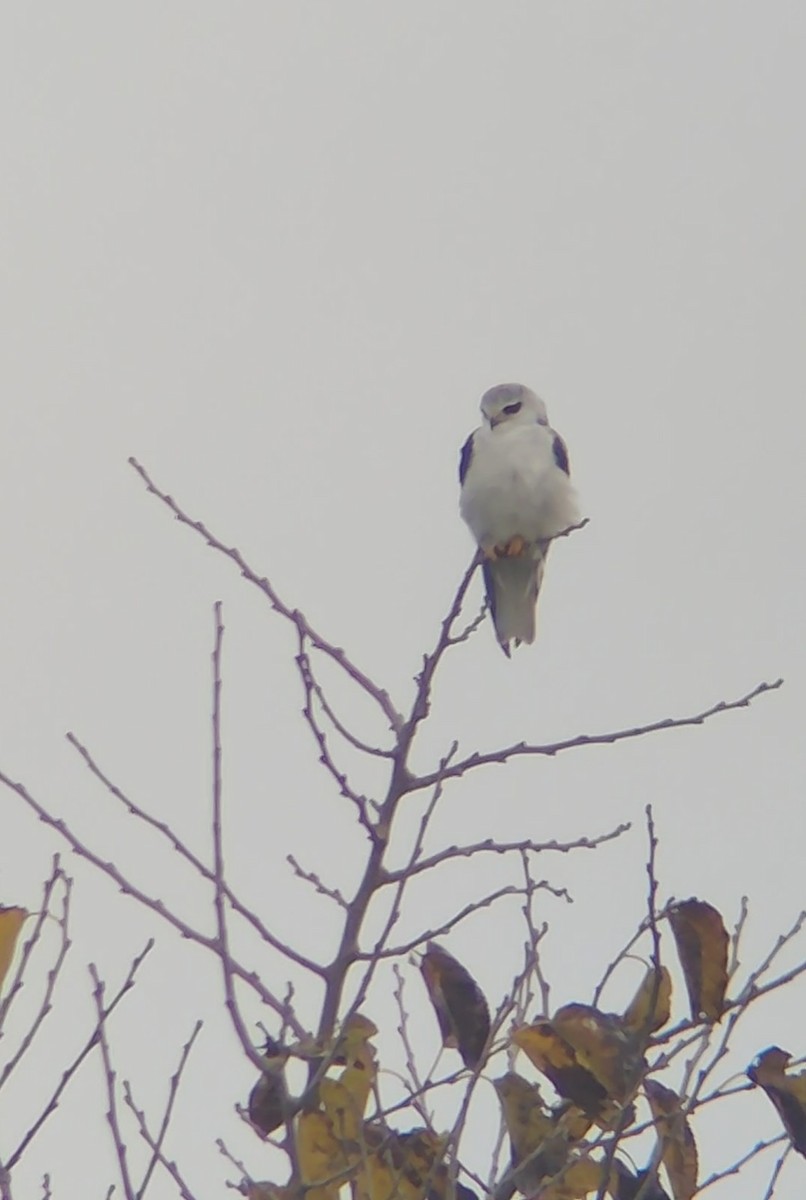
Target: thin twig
column 325, row 757
column 779, row 1166
column 736, row 1167
column 414, row 1083
column 169, row 1107
column 109, row 1077
column 315, row 881
column 236, row 1162
column 489, row 846
column 340, row 727
column 468, row 911
column 733, row 964
column 470, row 628
column 531, row 952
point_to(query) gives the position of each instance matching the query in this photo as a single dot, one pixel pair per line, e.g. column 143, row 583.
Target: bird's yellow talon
column 515, row 547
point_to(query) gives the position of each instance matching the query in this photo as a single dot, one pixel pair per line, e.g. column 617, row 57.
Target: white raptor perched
column 516, row 496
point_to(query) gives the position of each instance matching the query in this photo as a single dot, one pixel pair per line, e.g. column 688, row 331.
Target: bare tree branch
column 157, row 906
column 521, row 749
column 46, row 1003
column 296, row 618
column 156, row 1149
column 89, row 1045
column 201, row 867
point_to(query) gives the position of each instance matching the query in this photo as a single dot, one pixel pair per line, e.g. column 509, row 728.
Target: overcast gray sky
column 277, row 251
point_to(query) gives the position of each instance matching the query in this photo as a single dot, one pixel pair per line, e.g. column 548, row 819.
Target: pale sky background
column 277, row 251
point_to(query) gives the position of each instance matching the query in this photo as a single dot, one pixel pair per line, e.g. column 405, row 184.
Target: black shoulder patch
column 560, row 454
column 464, row 458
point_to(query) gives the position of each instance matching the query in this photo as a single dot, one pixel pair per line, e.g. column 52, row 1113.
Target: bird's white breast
column 514, row 486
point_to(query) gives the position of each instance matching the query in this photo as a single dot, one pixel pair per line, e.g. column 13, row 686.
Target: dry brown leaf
column 626, row 1186
column 460, row 1007
column 266, row 1103
column 266, row 1097
column 11, row 922
column 678, row 1148
column 702, row 946
column 787, row 1092
column 644, row 1017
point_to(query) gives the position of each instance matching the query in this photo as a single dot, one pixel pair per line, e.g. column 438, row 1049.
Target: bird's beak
column 495, row 421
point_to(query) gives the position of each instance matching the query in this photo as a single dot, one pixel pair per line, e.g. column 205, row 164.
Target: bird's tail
column 512, row 586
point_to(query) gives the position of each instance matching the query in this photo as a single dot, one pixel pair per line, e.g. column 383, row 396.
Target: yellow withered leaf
column 537, row 1149
column 345, row 1099
column 540, row 1138
column 598, row 1072
column 575, row 1182
column 264, row 1190
column 11, row 922
column 323, row 1159
column 602, row 1045
column 650, row 1007
column 702, row 946
column 787, row 1092
column 553, row 1056
column 344, row 1107
column 460, row 1006
column 352, row 1041
column 402, row 1166
column 527, row 1119
column 377, row 1180
column 678, row 1148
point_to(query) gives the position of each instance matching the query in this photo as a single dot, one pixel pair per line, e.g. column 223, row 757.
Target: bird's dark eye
column 511, row 409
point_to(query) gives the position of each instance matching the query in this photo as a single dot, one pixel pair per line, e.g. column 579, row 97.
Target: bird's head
column 512, row 402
